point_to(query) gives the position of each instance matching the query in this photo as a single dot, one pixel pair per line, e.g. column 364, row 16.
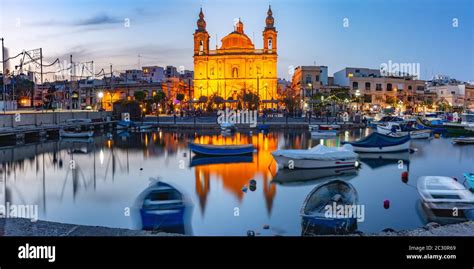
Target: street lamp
column 100, row 95
column 357, row 94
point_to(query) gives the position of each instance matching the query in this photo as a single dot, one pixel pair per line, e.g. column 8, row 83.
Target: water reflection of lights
column 346, row 136
column 101, row 156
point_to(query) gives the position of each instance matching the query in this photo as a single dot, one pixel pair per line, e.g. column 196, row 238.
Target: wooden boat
column 470, row 179
column 444, row 193
column 70, row 134
column 221, row 150
column 441, row 216
column 319, row 156
column 323, row 133
column 314, row 209
column 376, row 142
column 163, row 207
column 199, row 160
column 463, row 140
column 418, row 134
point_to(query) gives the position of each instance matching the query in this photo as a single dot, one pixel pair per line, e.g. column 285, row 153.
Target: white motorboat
column 463, row 140
column 444, row 193
column 418, row 134
column 70, row 134
column 391, row 128
column 319, row 156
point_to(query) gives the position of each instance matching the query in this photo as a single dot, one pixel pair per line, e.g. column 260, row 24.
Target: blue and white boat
column 221, row 150
column 470, row 179
column 162, row 207
column 376, row 142
column 334, row 194
column 199, row 160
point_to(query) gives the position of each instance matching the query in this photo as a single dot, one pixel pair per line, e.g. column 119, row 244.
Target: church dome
column 237, row 39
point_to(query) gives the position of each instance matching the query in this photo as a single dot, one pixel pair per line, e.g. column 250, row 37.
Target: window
column 389, row 87
column 453, row 92
column 355, row 85
column 367, row 86
column 308, row 79
column 410, row 87
column 235, row 72
column 317, row 78
column 201, row 46
column 270, row 44
column 378, row 87
column 420, row 88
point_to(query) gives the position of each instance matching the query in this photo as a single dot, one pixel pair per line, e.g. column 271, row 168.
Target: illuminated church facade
column 237, row 67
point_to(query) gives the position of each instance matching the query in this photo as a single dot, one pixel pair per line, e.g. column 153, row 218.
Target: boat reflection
column 379, row 160
column 329, row 198
column 308, row 176
column 161, row 207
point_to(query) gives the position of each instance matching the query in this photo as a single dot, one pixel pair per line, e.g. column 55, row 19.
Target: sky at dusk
column 401, row 31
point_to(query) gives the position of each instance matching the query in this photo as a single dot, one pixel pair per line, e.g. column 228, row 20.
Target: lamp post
column 100, row 95
column 357, row 94
column 310, row 85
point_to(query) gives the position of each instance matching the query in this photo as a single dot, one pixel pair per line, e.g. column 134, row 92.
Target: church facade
column 237, row 67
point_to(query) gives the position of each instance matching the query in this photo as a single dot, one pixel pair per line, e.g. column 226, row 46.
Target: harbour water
column 100, row 182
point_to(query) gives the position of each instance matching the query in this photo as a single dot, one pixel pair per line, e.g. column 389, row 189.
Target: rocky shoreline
column 24, row 227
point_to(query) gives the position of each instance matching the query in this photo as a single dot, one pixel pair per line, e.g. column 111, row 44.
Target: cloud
column 98, row 19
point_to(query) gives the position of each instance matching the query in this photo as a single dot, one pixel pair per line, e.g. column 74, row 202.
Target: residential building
column 153, row 74
column 342, row 77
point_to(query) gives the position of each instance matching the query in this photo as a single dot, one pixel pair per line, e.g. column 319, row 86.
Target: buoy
column 266, row 227
column 250, row 233
column 141, row 169
column 253, row 188
column 253, row 182
column 436, row 136
column 405, row 176
column 386, row 204
column 244, row 189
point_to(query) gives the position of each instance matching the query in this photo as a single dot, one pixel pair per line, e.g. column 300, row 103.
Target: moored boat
column 470, row 179
column 463, row 140
column 221, row 150
column 308, row 176
column 444, row 193
column 376, row 142
column 317, row 211
column 71, row 134
column 319, row 156
column 418, row 134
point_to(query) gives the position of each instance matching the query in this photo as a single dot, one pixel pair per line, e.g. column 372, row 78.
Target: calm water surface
column 110, row 174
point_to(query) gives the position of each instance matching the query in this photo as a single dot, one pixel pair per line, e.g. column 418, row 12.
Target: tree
column 251, row 100
column 139, row 96
column 159, row 97
column 180, row 97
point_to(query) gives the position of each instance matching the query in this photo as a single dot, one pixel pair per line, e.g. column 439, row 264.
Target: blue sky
column 403, row 31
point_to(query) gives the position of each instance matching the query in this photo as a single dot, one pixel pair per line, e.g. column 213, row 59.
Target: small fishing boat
column 444, row 193
column 323, row 133
column 71, row 134
column 163, row 207
column 386, row 119
column 199, row 160
column 470, row 179
column 441, row 216
column 221, row 150
column 376, row 142
column 319, row 156
column 392, row 128
column 331, row 195
column 326, row 127
column 463, row 140
column 227, row 126
column 418, row 134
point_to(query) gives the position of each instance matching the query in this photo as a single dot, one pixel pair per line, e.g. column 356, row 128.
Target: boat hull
column 396, row 148
column 76, row 135
column 287, row 162
column 212, row 150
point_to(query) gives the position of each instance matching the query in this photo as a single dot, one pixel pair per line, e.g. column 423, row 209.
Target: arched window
column 270, row 44
column 201, row 46
column 235, row 72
